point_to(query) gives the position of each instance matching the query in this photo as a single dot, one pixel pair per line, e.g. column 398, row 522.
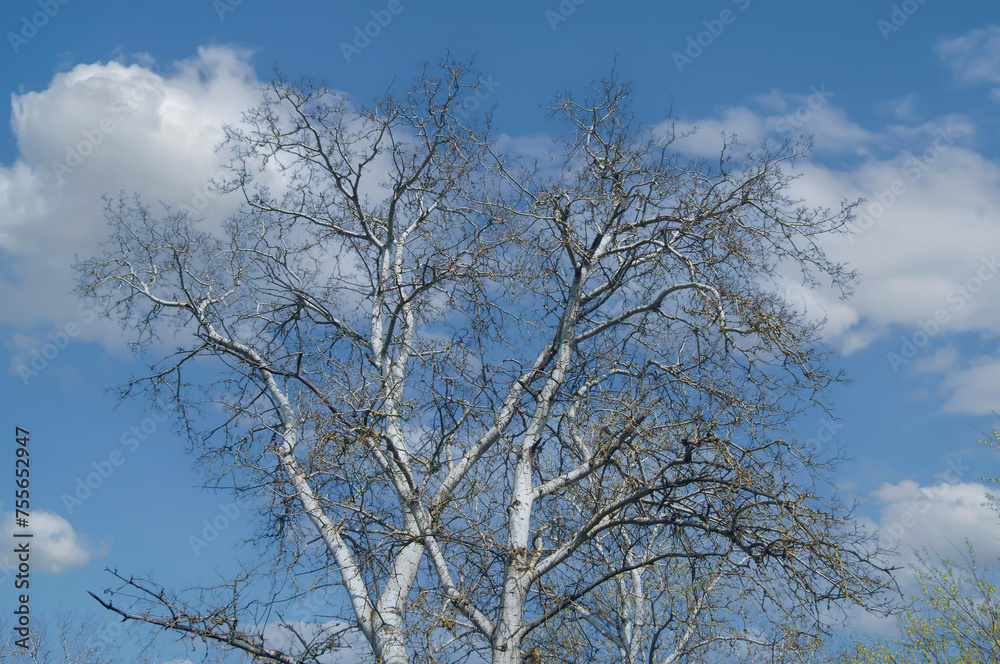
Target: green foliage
column 993, row 445
column 955, row 619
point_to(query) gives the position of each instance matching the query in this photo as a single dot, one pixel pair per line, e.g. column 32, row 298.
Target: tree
column 955, row 619
column 688, row 610
column 481, row 391
column 67, row 639
column 75, row 642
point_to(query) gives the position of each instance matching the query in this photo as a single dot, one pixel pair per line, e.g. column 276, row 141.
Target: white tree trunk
column 389, row 648
column 507, row 644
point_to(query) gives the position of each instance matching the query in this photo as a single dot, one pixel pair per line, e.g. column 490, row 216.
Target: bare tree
column 481, row 391
column 66, row 639
column 74, row 643
column 721, row 609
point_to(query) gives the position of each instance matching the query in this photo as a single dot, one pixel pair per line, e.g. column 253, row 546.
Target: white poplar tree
column 480, row 391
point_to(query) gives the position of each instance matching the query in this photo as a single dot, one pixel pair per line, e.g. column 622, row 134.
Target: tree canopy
column 511, row 407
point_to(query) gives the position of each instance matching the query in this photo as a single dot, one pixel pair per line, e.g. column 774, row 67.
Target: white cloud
column 706, row 141
column 975, row 388
column 925, row 239
column 929, row 522
column 54, row 546
column 975, row 56
column 931, row 219
column 925, row 232
column 944, row 359
column 107, row 128
column 938, row 518
column 776, row 115
column 921, row 234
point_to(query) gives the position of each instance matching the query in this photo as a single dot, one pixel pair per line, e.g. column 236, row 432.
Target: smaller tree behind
column 955, row 620
column 72, row 641
column 67, row 638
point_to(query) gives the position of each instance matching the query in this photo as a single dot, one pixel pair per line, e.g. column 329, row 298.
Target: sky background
column 901, row 100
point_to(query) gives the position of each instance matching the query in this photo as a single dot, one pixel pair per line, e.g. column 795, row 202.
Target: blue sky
column 902, row 100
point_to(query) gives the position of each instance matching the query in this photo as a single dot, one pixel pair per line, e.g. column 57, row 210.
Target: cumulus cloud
column 924, row 243
column 924, row 237
column 55, row 546
column 921, row 240
column 924, row 232
column 704, row 137
column 938, row 518
column 929, row 522
column 776, row 115
column 105, row 128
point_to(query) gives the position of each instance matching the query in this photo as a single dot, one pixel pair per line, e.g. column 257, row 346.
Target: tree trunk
column 389, row 648
column 507, row 643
